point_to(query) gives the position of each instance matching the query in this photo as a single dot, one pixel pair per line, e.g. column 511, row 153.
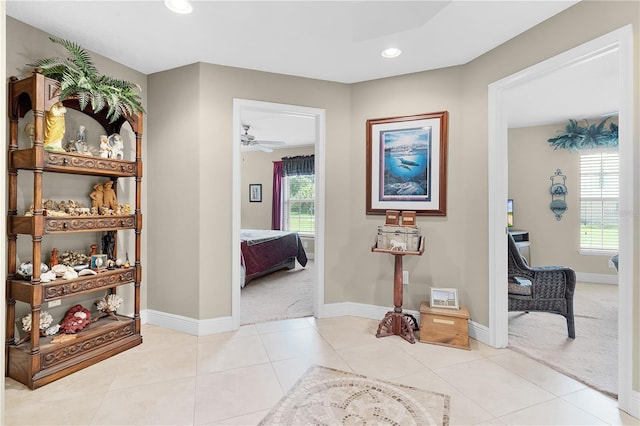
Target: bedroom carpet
column 592, row 357
column 280, row 295
column 326, row 396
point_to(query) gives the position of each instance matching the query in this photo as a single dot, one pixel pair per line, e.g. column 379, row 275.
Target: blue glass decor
column 558, row 193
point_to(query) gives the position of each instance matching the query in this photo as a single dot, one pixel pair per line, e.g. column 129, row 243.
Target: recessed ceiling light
column 391, row 52
column 179, row 6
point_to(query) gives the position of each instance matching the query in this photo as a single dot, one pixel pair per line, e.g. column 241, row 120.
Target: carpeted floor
column 281, row 295
column 325, row 396
column 592, row 357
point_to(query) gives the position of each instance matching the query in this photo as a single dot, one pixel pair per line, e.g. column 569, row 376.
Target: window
column 299, row 204
column 599, row 192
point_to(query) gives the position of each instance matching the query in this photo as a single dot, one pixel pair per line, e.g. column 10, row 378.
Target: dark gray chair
column 541, row 288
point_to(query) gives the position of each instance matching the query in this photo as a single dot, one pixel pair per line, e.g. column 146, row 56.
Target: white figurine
column 116, row 146
column 397, row 245
column 105, row 149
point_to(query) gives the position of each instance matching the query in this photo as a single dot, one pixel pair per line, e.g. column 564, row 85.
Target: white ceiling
column 329, row 40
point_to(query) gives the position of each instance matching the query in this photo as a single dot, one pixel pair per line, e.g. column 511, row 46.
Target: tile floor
column 235, row 378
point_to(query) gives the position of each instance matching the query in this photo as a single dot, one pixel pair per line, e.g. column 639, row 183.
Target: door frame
column 319, row 115
column 620, row 40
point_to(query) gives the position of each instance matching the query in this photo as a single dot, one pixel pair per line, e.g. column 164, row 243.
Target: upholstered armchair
column 541, row 288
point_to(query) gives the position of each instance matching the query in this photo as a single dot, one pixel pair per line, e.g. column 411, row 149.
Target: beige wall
column 204, row 176
column 369, row 279
column 531, row 163
column 257, row 167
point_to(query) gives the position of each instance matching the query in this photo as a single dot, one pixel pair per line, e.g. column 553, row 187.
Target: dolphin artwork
column 404, row 167
column 408, row 162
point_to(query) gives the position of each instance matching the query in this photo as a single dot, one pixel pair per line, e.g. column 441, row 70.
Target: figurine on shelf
column 80, row 136
column 94, row 249
column 97, row 197
column 116, row 146
column 110, row 199
column 54, row 127
column 105, row 149
column 53, row 260
column 109, row 244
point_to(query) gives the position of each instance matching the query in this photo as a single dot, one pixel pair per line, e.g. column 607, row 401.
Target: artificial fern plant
column 79, row 78
column 576, row 137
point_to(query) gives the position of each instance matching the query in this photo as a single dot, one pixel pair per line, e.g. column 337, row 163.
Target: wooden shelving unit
column 38, row 360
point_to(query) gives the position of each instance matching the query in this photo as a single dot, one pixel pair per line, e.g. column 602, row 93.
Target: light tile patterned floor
column 236, row 378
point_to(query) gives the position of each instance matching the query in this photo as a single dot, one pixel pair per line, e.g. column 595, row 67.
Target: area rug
column 592, row 357
column 280, row 295
column 325, row 396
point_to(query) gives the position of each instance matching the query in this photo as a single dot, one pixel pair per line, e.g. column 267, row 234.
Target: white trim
column 634, row 408
column 320, row 119
column 596, row 278
column 620, row 40
column 189, row 325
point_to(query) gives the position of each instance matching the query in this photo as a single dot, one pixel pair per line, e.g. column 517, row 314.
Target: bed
column 266, row 251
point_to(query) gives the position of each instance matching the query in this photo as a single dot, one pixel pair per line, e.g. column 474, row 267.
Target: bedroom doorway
column 263, row 133
column 620, row 42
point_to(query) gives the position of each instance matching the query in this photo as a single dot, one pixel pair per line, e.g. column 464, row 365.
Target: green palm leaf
column 79, row 77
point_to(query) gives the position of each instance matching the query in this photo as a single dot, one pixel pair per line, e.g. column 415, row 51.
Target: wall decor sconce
column 558, row 194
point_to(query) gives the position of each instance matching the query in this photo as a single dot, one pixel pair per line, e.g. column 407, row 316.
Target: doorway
column 242, row 107
column 619, row 41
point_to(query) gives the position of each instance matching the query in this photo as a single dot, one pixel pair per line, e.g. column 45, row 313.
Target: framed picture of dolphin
column 407, row 164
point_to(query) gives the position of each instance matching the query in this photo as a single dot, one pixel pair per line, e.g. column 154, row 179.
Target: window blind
column 599, row 199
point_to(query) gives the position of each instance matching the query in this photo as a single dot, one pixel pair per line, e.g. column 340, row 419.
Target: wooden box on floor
column 447, row 327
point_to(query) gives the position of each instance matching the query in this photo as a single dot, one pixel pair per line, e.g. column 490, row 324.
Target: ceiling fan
column 248, row 140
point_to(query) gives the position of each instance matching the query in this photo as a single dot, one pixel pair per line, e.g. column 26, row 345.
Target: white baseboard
column 222, row 325
column 187, row 325
column 597, row 278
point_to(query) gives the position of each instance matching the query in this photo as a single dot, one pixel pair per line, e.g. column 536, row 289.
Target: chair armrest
column 553, row 282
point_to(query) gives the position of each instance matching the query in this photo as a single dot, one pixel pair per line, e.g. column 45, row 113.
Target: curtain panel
column 276, row 203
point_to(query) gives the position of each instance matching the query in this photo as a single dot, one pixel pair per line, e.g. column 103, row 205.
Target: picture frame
column 255, row 193
column 444, row 298
column 98, row 262
column 407, row 164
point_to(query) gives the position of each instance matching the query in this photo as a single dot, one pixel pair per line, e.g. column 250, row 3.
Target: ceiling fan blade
column 263, row 148
column 270, row 142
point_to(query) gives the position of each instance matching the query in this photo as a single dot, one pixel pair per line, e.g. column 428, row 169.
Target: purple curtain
column 276, row 203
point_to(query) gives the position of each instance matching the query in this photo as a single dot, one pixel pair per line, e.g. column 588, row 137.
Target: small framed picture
column 444, row 298
column 98, row 262
column 255, row 192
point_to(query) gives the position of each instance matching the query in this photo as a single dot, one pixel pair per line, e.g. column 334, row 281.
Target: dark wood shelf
column 43, row 225
column 23, row 290
column 71, row 163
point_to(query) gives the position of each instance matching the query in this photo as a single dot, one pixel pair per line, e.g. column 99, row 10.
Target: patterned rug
column 324, row 396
